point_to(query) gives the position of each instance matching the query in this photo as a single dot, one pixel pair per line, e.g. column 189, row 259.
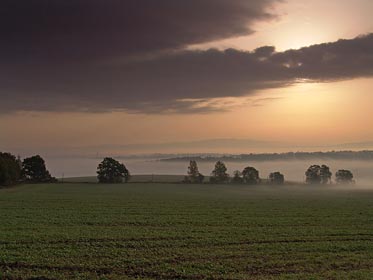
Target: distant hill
column 332, row 155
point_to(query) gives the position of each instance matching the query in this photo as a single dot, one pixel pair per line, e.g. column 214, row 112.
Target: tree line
column 315, row 174
column 112, row 171
column 13, row 171
column 332, row 155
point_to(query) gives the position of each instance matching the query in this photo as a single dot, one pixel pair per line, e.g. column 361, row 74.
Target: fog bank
column 293, row 170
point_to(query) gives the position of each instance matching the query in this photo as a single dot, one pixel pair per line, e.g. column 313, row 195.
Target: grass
column 176, row 231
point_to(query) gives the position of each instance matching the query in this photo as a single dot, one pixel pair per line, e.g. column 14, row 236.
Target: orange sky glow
column 305, row 113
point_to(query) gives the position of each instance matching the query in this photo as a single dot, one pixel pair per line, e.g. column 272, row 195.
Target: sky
column 198, row 76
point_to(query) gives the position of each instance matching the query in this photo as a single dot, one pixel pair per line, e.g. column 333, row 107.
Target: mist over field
column 292, row 169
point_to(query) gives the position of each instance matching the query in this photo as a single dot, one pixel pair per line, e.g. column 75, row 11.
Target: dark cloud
column 60, row 30
column 265, row 51
column 149, row 85
column 179, row 81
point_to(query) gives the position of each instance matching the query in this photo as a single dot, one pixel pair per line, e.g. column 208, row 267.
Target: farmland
column 175, row 231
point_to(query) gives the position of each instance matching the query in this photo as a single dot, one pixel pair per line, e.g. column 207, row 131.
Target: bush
column 237, row 177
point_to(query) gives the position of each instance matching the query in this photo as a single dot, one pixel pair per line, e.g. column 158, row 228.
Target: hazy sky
column 124, row 76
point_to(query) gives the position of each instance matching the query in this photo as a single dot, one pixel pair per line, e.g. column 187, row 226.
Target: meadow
column 176, row 231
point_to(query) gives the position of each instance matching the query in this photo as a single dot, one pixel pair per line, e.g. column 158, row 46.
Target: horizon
column 221, row 146
column 176, row 164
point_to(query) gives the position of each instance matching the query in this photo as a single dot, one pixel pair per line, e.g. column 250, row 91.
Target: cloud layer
column 128, row 55
column 97, row 29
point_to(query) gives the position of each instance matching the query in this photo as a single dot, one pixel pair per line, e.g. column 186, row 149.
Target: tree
column 313, row 175
column 194, row 176
column 344, row 177
column 237, row 177
column 112, row 171
column 250, row 175
column 317, row 174
column 276, row 178
column 219, row 174
column 325, row 174
column 10, row 170
column 35, row 171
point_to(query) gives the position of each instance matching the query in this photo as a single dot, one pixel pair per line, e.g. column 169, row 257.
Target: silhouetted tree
column 237, row 177
column 344, row 177
column 219, row 174
column 276, row 178
column 325, row 174
column 313, row 175
column 112, row 171
column 194, row 176
column 250, row 175
column 35, row 171
column 10, row 170
column 317, row 174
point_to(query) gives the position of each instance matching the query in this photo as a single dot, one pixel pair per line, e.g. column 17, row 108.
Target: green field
column 175, row 231
column 134, row 179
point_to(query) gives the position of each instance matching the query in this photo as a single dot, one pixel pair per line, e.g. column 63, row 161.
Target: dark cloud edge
column 181, row 81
